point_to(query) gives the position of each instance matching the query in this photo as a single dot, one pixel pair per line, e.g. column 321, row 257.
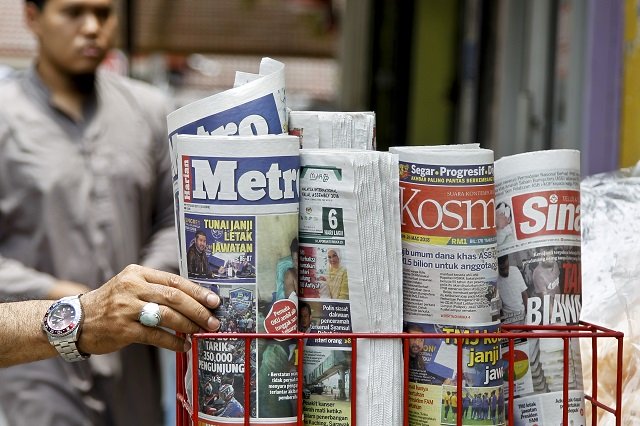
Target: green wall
column 433, row 69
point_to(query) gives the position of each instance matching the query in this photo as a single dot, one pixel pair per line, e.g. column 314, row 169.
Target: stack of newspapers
column 241, row 195
column 350, row 273
column 350, row 280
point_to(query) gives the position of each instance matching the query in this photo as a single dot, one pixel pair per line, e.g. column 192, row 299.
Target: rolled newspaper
column 449, row 282
column 238, row 217
column 322, row 129
column 254, row 106
column 538, row 228
column 448, row 235
column 350, row 280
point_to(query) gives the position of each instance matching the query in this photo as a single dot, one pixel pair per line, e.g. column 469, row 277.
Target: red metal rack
column 187, row 414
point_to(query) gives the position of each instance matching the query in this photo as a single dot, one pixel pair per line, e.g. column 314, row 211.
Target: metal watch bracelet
column 69, row 351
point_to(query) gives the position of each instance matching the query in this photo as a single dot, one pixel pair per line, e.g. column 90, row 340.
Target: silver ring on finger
column 150, row 315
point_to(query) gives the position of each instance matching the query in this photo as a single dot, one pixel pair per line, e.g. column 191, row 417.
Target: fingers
column 201, row 294
column 186, row 303
column 112, row 311
column 178, row 322
column 163, row 339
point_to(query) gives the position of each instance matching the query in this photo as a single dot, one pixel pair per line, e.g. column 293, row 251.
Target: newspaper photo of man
column 304, row 320
column 197, row 259
column 416, row 346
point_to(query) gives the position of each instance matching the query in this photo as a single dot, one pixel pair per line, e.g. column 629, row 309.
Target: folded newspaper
column 242, row 242
column 350, row 280
column 538, row 228
column 449, row 282
column 322, row 129
column 238, row 215
column 255, row 106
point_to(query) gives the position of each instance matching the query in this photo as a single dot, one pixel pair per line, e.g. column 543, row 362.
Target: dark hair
column 503, row 259
column 293, row 248
column 414, row 327
column 304, row 305
column 200, row 232
column 38, row 3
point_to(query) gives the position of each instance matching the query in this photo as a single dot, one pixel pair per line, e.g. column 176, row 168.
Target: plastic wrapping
column 611, row 277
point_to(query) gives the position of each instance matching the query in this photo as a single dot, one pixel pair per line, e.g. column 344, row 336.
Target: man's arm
column 111, row 316
column 63, row 288
column 19, row 282
column 21, row 335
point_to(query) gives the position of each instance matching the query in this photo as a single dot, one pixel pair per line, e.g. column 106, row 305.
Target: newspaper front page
column 238, row 216
column 448, row 235
column 538, row 228
column 256, row 105
column 349, row 284
column 449, row 282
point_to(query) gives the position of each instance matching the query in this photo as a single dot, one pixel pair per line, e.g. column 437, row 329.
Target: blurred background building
column 513, row 75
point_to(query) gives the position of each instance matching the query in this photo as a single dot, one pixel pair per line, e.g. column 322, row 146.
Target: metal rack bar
column 187, row 413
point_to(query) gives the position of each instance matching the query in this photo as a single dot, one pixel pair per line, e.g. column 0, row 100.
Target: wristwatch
column 62, row 324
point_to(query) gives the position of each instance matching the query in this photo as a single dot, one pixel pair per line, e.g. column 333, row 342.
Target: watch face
column 61, row 319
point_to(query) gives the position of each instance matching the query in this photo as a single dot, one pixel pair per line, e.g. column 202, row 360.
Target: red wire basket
column 187, row 413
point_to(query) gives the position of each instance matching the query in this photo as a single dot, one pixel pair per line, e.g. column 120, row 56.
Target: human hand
column 111, row 312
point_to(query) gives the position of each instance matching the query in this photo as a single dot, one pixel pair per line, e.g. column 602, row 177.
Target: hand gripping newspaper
column 449, row 282
column 538, row 228
column 322, row 129
column 350, row 281
column 229, row 261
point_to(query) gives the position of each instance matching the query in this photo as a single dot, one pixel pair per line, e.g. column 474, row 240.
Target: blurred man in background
column 85, row 189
